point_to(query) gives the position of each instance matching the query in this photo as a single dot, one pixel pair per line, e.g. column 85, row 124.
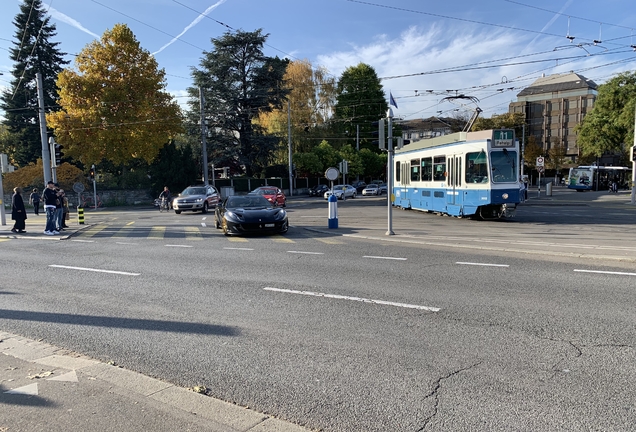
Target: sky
column 424, row 51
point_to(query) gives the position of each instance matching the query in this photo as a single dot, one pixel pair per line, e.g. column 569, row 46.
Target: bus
column 593, row 177
column 464, row 174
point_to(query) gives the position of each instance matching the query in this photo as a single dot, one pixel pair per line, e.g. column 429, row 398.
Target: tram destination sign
column 503, row 138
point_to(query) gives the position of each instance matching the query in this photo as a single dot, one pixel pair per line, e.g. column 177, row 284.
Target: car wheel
column 205, row 208
column 177, row 211
column 355, row 195
column 284, row 203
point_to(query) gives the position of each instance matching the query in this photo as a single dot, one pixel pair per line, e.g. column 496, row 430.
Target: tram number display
column 503, row 138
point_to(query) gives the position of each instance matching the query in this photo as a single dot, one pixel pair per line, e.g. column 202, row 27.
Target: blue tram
column 462, row 174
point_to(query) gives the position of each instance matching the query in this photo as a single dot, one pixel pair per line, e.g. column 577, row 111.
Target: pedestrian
column 18, row 212
column 34, row 200
column 49, row 196
column 65, row 210
column 59, row 209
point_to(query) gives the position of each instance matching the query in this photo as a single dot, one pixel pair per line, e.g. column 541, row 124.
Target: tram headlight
column 504, row 196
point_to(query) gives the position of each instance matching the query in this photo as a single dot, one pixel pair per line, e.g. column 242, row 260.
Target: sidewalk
column 47, row 389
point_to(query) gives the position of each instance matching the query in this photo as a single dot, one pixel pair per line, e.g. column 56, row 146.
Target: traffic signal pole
column 46, row 155
column 633, row 200
column 389, row 171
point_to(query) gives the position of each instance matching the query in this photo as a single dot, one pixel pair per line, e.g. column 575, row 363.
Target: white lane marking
column 84, row 241
column 182, row 246
column 94, row 270
column 124, row 243
column 387, row 258
column 69, row 376
column 482, row 264
column 31, row 390
column 360, row 299
column 204, row 218
column 605, row 272
column 307, row 253
column 203, row 224
column 245, row 249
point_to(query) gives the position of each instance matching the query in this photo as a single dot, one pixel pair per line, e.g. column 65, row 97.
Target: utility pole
column 358, row 145
column 204, row 144
column 46, row 157
column 389, row 171
column 633, row 200
column 523, row 147
column 289, row 145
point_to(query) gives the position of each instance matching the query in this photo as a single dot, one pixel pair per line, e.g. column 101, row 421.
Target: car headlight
column 280, row 215
column 231, row 216
column 199, row 200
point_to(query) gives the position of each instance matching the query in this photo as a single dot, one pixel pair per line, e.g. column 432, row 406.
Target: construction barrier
column 80, row 215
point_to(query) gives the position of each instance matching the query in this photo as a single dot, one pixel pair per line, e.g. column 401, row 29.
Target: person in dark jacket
column 18, row 212
column 49, row 196
column 34, row 199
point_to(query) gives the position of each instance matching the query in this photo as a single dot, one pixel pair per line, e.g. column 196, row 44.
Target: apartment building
column 553, row 106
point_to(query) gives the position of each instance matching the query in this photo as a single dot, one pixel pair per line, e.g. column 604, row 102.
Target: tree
column 532, row 151
column 360, row 101
column 502, row 121
column 327, row 155
column 311, row 98
column 609, row 127
column 33, row 51
column 557, row 154
column 175, row 167
column 239, row 82
column 373, row 163
column 32, row 175
column 115, row 106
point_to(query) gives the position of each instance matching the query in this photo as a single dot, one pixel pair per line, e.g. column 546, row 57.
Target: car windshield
column 247, row 201
column 373, row 186
column 265, row 191
column 194, row 191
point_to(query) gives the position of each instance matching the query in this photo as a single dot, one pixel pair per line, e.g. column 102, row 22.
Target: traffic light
column 92, row 173
column 58, row 154
column 632, row 154
column 381, row 141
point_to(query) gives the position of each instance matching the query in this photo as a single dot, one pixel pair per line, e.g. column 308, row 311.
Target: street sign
column 540, row 161
column 78, row 187
column 541, row 169
column 332, row 174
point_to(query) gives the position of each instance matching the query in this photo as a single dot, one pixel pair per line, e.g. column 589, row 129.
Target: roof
column 558, row 83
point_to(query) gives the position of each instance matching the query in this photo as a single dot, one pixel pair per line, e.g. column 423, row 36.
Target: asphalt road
column 346, row 333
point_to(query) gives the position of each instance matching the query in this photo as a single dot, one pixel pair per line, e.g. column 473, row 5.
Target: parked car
column 371, row 189
column 342, row 192
column 359, row 185
column 272, row 194
column 196, row 198
column 318, row 190
column 250, row 213
column 383, row 188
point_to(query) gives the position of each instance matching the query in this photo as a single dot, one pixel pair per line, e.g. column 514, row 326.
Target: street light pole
column 289, row 149
column 389, row 171
column 633, row 201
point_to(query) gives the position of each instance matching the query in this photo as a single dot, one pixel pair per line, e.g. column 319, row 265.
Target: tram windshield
column 504, row 166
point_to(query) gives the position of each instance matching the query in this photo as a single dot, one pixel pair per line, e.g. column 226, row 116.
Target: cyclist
column 165, row 194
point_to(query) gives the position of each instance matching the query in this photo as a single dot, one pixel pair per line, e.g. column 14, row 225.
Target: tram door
column 453, row 197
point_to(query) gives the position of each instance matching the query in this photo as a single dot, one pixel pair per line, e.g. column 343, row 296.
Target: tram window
column 415, row 170
column 439, row 168
column 504, row 166
column 476, row 168
column 397, row 172
column 426, row 193
column 427, row 169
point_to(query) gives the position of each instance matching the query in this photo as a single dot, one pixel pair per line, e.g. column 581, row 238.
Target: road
column 346, row 333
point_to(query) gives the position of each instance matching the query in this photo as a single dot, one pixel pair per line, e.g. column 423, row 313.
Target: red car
column 273, row 195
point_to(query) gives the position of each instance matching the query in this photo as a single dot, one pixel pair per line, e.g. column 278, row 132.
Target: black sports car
column 318, row 190
column 250, row 214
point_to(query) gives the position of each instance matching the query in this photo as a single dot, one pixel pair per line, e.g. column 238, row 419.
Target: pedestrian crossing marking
column 330, row 241
column 157, row 233
column 237, row 239
column 123, row 232
column 193, row 233
column 94, row 230
column 281, row 239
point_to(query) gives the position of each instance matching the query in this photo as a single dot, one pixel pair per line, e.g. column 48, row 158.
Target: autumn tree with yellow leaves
column 114, row 103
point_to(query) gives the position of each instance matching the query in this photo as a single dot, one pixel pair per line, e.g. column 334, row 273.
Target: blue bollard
column 333, row 211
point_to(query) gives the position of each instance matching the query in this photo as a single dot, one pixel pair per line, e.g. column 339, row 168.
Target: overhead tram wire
column 459, row 19
column 147, row 25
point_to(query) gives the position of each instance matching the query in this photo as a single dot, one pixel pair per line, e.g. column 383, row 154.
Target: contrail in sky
column 547, row 26
column 192, row 24
column 70, row 21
